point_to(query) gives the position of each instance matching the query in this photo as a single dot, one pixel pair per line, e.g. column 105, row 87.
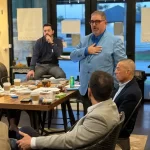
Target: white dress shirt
column 33, row 142
column 121, row 86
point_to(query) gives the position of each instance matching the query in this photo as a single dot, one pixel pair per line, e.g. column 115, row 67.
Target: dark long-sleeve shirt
column 45, row 52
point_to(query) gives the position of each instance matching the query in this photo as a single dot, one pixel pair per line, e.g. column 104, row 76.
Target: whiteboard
column 29, row 23
column 145, row 25
column 70, row 26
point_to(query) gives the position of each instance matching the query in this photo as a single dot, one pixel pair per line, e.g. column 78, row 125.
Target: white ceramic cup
column 17, row 83
column 47, row 95
column 35, row 97
column 6, row 86
column 52, row 95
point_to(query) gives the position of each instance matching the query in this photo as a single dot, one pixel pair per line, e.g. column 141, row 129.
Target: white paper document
column 70, row 26
column 145, row 25
column 29, row 23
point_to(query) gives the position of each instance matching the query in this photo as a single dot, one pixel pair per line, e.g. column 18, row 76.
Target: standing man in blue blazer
column 99, row 50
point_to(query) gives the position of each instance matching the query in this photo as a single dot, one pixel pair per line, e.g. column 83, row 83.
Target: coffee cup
column 47, row 95
column 17, row 83
column 52, row 95
column 35, row 97
column 6, row 86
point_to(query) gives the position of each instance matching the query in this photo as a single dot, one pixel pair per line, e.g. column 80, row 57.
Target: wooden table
column 6, row 102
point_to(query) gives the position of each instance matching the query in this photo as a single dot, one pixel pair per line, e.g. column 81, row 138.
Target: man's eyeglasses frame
column 91, row 22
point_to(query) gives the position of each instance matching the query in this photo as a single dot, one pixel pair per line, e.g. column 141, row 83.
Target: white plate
column 54, row 81
column 45, row 92
column 24, row 91
column 1, row 89
column 12, row 94
column 19, row 89
column 55, row 89
column 32, row 87
column 46, row 89
column 75, row 86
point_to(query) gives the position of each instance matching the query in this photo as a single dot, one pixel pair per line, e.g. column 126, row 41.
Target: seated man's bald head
column 129, row 64
column 125, row 70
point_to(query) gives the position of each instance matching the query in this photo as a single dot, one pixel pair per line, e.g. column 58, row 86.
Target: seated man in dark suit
column 128, row 94
column 99, row 120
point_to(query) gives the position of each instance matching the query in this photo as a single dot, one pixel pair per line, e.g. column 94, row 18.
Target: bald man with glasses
column 99, row 50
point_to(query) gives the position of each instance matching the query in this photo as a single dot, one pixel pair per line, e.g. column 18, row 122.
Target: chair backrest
column 140, row 77
column 108, row 142
column 135, row 109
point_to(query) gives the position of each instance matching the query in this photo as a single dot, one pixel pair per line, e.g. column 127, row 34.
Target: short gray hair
column 101, row 13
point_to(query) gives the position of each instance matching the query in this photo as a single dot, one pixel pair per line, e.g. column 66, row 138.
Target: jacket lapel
column 99, row 43
column 124, row 89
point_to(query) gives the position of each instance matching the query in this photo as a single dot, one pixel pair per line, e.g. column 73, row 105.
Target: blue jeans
column 13, row 144
column 28, row 130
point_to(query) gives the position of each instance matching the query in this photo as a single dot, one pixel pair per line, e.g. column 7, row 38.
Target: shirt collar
column 93, row 107
column 123, row 84
column 97, row 38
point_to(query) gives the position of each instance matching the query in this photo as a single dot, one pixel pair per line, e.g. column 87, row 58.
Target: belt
column 46, row 62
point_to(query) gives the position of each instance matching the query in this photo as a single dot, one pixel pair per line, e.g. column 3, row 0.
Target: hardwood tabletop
column 7, row 102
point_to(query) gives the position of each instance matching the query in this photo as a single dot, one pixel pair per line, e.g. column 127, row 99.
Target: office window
column 70, row 11
column 116, row 17
column 23, row 49
column 142, row 49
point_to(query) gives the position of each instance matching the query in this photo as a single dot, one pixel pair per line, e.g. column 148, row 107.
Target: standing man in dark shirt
column 45, row 55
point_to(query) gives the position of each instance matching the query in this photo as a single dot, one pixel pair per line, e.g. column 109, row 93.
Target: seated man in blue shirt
column 45, row 56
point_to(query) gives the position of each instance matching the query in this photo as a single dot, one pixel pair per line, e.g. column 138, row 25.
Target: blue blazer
column 112, row 51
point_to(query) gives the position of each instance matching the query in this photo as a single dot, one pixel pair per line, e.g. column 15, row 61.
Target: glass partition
column 142, row 49
column 116, row 16
column 70, row 10
column 23, row 49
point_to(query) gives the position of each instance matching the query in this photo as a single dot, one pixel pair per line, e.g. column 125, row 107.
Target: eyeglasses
column 95, row 21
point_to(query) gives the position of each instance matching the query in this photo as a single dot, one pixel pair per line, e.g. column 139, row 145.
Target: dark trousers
column 13, row 113
column 86, row 102
column 48, row 69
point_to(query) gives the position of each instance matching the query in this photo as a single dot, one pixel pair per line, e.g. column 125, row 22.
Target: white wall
column 4, row 50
